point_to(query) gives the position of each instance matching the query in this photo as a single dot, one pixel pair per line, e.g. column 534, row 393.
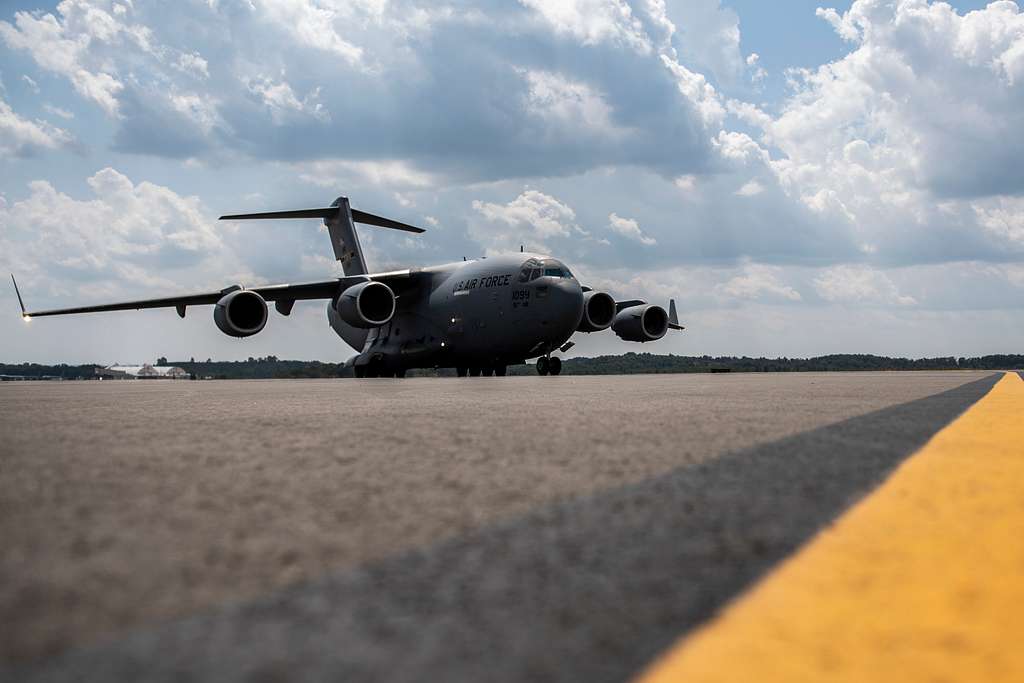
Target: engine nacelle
column 598, row 312
column 368, row 304
column 240, row 313
column 642, row 323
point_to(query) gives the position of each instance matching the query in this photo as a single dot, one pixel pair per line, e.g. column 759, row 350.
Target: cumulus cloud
column 440, row 87
column 859, row 285
column 629, row 228
column 750, row 189
column 920, row 76
column 759, row 282
column 594, row 21
column 128, row 233
column 533, row 218
column 22, row 137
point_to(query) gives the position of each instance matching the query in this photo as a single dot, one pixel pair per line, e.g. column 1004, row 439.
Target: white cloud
column 281, row 101
column 312, row 23
column 708, row 37
column 57, row 111
column 33, row 86
column 22, row 137
column 532, row 219
column 547, row 216
column 758, row 282
column 859, row 285
column 1003, row 217
column 750, row 189
column 56, row 45
column 568, row 104
column 627, row 227
column 194, row 64
column 130, row 233
column 391, row 173
column 594, row 21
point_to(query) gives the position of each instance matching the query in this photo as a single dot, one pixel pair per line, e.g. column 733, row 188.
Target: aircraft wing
column 285, row 293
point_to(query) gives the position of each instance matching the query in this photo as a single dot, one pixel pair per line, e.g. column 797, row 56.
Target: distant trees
column 629, row 363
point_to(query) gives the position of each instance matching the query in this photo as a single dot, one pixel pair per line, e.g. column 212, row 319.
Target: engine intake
column 642, row 323
column 368, row 304
column 598, row 312
column 240, row 313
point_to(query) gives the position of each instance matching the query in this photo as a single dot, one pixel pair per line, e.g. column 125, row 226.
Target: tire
column 554, row 366
column 542, row 365
column 461, row 372
column 360, row 371
column 501, row 371
column 474, row 372
column 487, row 372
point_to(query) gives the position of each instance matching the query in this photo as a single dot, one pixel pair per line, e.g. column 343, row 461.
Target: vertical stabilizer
column 344, row 238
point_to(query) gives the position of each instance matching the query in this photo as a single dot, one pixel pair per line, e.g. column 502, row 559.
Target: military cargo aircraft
column 478, row 316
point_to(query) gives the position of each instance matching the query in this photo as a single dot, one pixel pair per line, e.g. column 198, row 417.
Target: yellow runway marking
column 923, row 580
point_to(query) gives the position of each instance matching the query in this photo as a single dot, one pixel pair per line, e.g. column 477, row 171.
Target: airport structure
column 144, row 371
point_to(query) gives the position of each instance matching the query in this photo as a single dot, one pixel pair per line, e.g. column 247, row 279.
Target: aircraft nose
column 567, row 298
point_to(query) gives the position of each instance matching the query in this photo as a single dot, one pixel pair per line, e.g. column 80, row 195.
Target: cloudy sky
column 803, row 178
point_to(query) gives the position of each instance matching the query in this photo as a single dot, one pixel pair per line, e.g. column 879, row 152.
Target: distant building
column 142, row 372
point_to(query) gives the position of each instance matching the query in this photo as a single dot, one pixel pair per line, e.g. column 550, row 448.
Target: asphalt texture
column 512, row 528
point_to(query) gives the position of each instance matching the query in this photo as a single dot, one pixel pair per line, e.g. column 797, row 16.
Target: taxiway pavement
column 541, row 528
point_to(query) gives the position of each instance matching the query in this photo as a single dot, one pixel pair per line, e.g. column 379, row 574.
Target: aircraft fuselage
column 487, row 312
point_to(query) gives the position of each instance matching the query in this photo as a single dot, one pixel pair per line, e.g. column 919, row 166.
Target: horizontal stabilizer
column 299, row 213
column 381, row 222
column 328, row 212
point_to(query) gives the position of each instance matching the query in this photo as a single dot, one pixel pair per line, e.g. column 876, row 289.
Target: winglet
column 673, row 319
column 20, row 302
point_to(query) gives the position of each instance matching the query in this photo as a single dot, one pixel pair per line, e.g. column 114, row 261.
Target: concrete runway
column 511, row 528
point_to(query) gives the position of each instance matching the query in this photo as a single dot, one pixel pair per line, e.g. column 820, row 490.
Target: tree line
column 272, row 367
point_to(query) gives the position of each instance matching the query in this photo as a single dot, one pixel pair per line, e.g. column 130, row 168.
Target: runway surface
column 566, row 528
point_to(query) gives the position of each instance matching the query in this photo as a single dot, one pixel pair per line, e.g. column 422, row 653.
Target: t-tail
column 340, row 219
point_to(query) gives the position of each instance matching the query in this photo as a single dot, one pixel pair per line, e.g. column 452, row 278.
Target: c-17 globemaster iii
column 478, row 316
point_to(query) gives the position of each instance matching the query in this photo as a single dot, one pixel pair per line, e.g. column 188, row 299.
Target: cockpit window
column 531, row 271
column 534, row 269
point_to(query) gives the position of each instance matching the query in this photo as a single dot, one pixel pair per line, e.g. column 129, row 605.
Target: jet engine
column 642, row 323
column 240, row 313
column 368, row 304
column 598, row 312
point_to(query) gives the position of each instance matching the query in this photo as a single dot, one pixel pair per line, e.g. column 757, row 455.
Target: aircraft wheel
column 542, row 365
column 372, row 372
column 554, row 366
column 500, row 371
column 461, row 372
column 360, row 371
column 474, row 372
column 487, row 372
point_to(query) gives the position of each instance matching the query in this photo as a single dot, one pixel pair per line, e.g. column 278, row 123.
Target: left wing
column 284, row 295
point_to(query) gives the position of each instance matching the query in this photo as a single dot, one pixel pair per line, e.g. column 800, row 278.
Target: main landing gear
column 549, row 365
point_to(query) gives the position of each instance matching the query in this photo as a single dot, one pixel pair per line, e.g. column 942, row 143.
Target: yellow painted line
column 923, row 580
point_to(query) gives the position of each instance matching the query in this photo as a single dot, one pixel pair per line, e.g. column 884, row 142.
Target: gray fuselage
column 491, row 311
